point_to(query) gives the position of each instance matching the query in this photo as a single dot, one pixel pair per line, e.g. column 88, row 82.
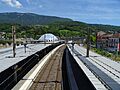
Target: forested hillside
column 28, row 18
column 61, row 27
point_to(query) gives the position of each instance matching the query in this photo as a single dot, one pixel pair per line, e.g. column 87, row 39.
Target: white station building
column 48, row 37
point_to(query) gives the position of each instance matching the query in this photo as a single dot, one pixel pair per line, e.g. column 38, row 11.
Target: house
column 109, row 42
column 114, row 42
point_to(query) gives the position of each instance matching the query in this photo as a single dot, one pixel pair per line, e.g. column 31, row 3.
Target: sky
column 89, row 11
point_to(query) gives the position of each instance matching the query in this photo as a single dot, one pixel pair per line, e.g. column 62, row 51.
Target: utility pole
column 25, row 44
column 88, row 42
column 44, row 39
column 14, row 39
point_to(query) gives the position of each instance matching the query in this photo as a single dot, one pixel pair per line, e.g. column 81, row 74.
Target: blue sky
column 90, row 11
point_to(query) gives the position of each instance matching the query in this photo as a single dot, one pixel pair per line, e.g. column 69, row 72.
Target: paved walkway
column 6, row 54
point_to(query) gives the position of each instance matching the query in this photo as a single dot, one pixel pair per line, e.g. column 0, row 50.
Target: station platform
column 104, row 70
column 6, row 54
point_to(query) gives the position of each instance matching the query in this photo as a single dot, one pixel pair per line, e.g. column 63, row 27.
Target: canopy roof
column 48, row 37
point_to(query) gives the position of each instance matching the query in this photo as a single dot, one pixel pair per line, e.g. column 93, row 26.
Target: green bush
column 102, row 52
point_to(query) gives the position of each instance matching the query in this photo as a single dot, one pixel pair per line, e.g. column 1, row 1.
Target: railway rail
column 112, row 74
column 106, row 66
column 50, row 77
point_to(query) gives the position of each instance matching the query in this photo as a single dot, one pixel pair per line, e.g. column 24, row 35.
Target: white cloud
column 13, row 3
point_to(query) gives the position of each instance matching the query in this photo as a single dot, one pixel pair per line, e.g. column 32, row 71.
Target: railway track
column 111, row 72
column 50, row 77
column 106, row 66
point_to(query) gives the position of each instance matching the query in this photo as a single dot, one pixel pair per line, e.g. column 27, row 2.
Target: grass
column 112, row 56
column 116, row 58
column 107, row 54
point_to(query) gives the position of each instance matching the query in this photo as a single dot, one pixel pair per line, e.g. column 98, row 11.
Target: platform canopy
column 48, row 37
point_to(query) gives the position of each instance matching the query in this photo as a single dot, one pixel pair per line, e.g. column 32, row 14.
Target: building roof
column 116, row 35
column 107, row 35
column 48, row 37
column 103, row 35
column 100, row 33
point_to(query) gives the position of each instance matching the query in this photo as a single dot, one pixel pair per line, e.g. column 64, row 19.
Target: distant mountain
column 29, row 18
column 105, row 28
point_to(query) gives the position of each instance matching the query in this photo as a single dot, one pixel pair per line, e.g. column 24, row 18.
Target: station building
column 48, row 37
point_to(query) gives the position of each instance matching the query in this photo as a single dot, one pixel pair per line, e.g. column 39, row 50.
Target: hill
column 105, row 28
column 29, row 18
column 33, row 25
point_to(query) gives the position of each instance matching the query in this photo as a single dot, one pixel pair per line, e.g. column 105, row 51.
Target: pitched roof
column 100, row 33
column 116, row 35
